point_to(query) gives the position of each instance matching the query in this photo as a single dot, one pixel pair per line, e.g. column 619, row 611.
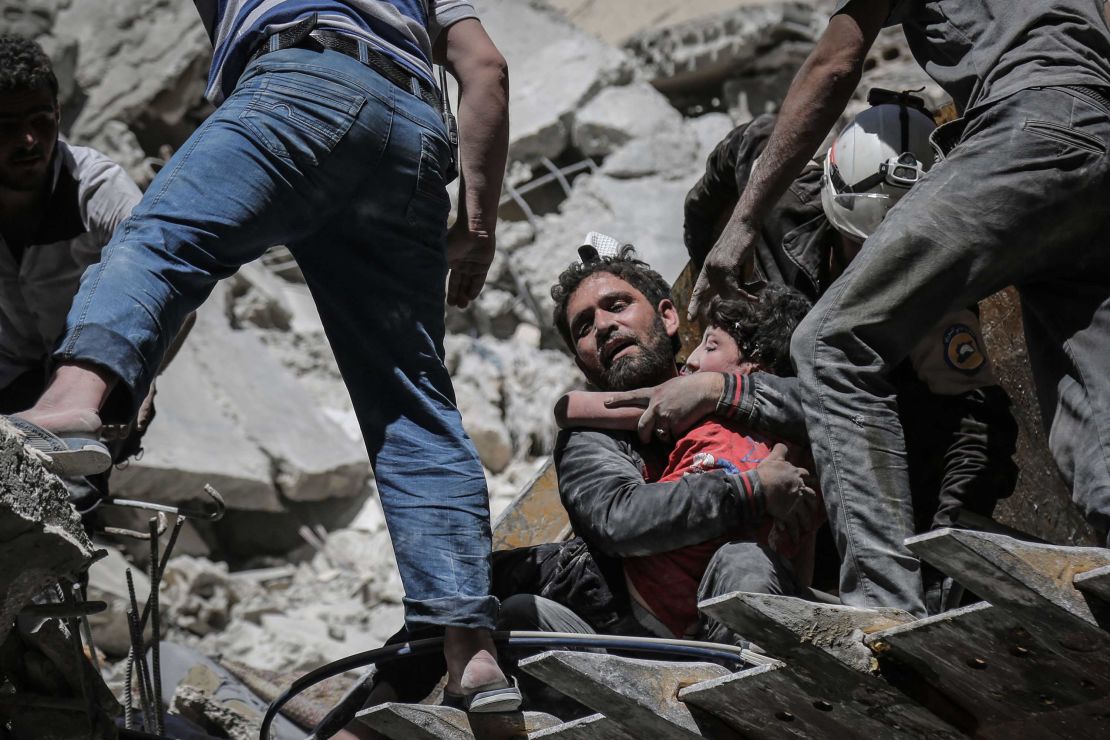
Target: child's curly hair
column 762, row 329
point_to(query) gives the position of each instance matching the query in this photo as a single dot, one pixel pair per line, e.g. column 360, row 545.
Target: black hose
column 684, row 648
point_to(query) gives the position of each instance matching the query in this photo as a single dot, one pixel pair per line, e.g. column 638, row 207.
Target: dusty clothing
column 668, row 582
column 961, row 435
column 981, row 52
column 90, row 195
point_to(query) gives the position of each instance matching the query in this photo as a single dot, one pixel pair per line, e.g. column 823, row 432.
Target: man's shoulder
column 86, row 164
column 104, row 190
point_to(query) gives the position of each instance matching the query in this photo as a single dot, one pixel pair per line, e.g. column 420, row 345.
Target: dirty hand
column 790, row 500
column 469, row 254
column 721, row 273
column 673, row 407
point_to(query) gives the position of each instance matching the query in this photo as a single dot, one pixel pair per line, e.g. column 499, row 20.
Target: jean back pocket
column 300, row 117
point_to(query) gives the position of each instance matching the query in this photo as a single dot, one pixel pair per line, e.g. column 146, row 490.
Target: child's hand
column 790, row 501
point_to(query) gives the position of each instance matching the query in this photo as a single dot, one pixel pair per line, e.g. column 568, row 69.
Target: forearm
column 483, row 115
column 587, row 410
column 815, row 100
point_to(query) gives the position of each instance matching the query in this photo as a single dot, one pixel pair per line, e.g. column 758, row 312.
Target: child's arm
column 588, row 409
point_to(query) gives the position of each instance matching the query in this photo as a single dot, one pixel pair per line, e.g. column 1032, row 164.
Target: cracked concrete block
column 617, row 115
column 41, row 538
column 230, row 414
column 536, row 41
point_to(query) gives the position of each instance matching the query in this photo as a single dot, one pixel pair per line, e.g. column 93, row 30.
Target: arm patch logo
column 961, row 349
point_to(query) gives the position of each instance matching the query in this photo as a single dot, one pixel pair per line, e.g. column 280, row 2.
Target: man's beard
column 652, row 365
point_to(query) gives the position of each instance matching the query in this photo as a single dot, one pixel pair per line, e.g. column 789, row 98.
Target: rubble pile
column 613, row 115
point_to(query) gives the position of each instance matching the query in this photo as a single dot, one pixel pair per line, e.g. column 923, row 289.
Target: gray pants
column 1021, row 200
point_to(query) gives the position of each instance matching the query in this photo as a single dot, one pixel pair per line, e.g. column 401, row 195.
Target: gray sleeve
column 898, row 10
column 767, row 404
column 106, row 195
column 444, row 13
column 613, row 509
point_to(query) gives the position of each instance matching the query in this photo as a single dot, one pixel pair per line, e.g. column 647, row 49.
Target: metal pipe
column 139, row 655
column 155, row 627
column 686, row 648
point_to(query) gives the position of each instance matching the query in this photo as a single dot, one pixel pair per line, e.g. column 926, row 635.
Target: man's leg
column 741, row 566
column 377, row 273
column 1010, row 202
column 1067, row 328
column 269, row 164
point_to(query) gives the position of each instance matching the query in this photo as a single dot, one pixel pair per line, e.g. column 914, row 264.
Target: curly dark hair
column 624, row 265
column 762, row 329
column 24, row 66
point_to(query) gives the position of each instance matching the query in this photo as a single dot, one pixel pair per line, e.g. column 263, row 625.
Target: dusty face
column 28, row 136
column 717, row 353
column 621, row 341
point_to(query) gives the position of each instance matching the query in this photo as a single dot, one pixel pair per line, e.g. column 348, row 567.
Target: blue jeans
column 1020, row 200
column 316, row 151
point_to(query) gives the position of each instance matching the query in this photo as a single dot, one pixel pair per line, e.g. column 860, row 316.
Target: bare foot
column 471, row 661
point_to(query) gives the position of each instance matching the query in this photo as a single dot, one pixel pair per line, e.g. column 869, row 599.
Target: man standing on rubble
column 329, row 137
column 1019, row 198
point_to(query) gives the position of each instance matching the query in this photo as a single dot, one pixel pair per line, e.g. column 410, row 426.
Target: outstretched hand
column 721, row 274
column 791, row 502
column 469, row 255
column 673, row 407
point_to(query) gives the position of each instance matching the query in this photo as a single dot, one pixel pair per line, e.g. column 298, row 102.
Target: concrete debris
column 265, row 442
column 616, row 115
column 40, row 533
column 106, row 583
column 536, row 41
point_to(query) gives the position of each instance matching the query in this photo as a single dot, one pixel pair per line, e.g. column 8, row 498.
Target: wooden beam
column 594, row 727
column 641, row 696
column 823, row 648
column 984, row 660
column 1034, row 582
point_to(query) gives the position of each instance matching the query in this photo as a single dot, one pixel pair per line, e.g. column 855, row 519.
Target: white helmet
column 875, row 160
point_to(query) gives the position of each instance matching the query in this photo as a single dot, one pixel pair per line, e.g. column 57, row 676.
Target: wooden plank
column 1034, row 582
column 535, row 516
column 639, row 695
column 822, row 645
column 771, row 702
column 433, row 722
column 984, row 660
column 594, row 727
column 1095, row 583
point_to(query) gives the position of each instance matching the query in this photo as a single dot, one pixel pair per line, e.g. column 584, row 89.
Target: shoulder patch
column 961, row 349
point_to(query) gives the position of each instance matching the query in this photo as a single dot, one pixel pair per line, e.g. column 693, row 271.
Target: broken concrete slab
column 536, row 41
column 265, row 438
column 617, row 115
column 110, row 629
column 40, row 532
column 639, row 695
column 131, row 77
